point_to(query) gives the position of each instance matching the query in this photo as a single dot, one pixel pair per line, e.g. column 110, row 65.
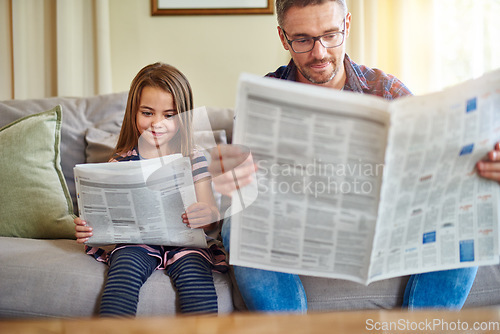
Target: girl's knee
column 133, row 263
column 196, row 260
column 194, row 264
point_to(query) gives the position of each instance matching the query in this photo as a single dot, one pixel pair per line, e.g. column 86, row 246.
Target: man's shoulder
column 285, row 72
column 380, row 83
column 280, row 73
column 374, row 75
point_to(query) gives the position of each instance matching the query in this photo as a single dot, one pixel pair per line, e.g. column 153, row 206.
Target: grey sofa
column 55, row 278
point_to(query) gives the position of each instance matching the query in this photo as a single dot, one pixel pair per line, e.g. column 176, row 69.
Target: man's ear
column 347, row 24
column 282, row 38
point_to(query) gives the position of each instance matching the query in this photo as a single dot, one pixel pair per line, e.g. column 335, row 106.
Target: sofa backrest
column 91, row 124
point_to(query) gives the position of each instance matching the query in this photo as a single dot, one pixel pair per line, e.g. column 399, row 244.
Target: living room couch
column 45, row 273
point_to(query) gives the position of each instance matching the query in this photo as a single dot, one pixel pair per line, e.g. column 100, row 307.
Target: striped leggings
column 131, row 267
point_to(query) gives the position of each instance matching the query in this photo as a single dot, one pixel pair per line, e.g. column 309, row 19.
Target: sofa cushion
column 35, row 200
column 79, row 113
column 222, row 118
column 55, row 278
column 102, row 112
column 100, row 145
column 325, row 294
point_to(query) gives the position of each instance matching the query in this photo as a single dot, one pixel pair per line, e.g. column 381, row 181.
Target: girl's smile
column 156, row 133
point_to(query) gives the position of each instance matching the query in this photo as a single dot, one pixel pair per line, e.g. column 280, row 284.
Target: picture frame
column 214, row 7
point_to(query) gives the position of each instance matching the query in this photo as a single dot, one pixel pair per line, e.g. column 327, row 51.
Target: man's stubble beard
column 329, row 78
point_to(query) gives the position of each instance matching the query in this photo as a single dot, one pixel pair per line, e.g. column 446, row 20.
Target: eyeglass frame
column 317, row 38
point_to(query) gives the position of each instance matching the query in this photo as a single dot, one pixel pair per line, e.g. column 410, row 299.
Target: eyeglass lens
column 328, row 41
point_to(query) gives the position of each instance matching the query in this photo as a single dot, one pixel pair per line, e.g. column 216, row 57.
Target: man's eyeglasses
column 306, row 44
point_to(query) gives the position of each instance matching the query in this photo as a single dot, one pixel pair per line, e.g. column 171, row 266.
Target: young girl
column 158, row 113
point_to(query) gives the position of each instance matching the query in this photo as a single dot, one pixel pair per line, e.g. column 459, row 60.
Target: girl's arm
column 203, row 214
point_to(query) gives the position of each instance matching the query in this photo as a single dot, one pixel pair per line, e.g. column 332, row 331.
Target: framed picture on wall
column 211, row 7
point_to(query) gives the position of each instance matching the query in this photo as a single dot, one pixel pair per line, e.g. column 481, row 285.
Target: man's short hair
column 282, row 6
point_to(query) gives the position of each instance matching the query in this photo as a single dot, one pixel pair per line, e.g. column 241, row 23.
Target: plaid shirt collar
column 359, row 78
column 355, row 80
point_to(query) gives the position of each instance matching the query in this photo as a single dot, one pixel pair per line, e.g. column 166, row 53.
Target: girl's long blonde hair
column 171, row 80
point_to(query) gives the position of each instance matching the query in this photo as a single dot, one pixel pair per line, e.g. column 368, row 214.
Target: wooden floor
column 486, row 320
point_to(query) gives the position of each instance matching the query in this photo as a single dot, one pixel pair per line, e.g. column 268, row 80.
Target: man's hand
column 490, row 167
column 232, row 167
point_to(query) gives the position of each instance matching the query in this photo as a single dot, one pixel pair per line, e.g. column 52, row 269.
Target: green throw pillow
column 34, row 199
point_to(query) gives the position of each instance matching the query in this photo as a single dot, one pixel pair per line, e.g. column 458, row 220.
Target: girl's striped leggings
column 131, row 267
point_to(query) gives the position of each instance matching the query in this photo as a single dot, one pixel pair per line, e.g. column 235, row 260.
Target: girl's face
column 157, row 120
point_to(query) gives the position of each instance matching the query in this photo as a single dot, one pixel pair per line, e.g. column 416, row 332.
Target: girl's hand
column 200, row 215
column 83, row 232
column 490, row 167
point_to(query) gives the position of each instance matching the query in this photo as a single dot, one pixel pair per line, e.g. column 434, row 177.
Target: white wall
column 210, row 50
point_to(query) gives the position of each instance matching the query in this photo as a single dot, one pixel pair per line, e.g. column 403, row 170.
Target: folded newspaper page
column 139, row 202
column 355, row 187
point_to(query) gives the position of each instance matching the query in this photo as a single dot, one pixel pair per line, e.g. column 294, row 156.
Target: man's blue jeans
column 271, row 291
column 267, row 291
column 447, row 289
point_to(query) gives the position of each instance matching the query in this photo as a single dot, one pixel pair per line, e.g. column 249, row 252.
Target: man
column 315, row 34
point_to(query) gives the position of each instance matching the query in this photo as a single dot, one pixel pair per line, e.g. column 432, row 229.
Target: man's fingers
column 494, row 155
column 226, row 158
column 485, row 166
column 240, row 177
column 495, row 176
column 232, row 167
column 490, row 169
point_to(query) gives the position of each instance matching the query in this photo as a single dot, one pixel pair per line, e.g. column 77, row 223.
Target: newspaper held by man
column 138, row 202
column 355, row 187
